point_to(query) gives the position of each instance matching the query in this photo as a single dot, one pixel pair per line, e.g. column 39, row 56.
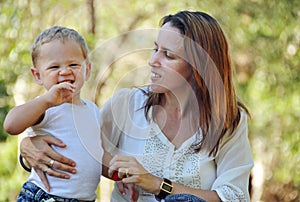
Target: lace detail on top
column 161, row 159
column 233, row 194
column 189, row 163
column 154, row 154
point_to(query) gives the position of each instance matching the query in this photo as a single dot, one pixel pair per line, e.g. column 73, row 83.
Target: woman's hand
column 41, row 156
column 133, row 172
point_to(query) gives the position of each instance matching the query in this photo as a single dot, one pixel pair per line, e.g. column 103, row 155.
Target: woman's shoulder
column 240, row 132
column 243, row 119
column 135, row 95
column 126, row 98
column 131, row 91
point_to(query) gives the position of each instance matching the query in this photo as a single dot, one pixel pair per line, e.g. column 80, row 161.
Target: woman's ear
column 37, row 76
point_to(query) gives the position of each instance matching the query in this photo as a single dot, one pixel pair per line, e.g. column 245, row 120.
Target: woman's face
column 169, row 72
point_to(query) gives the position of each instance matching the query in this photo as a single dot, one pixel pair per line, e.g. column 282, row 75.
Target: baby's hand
column 60, row 93
column 134, row 192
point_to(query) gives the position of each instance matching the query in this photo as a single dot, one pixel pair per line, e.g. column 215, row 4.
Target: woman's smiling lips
column 155, row 76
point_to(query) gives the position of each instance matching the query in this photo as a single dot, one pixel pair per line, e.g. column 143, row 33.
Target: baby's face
column 62, row 61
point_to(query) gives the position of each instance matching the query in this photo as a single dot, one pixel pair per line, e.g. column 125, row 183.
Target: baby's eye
column 53, row 67
column 75, row 66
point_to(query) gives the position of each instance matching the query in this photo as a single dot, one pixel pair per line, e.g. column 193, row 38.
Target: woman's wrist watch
column 166, row 189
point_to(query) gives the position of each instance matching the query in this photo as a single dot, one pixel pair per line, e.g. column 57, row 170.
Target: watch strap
column 165, row 189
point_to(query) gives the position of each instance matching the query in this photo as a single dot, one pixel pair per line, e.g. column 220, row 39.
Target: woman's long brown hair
column 207, row 52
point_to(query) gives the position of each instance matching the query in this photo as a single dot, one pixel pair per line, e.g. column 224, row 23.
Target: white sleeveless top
column 78, row 127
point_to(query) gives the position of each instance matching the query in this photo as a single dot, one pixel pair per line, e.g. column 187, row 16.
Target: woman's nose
column 154, row 60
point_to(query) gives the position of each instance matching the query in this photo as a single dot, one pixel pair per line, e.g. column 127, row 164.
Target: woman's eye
column 169, row 55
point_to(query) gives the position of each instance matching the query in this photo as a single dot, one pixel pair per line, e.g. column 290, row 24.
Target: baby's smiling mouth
column 68, row 81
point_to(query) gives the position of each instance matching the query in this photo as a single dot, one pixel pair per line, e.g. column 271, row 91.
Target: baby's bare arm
column 25, row 115
column 32, row 112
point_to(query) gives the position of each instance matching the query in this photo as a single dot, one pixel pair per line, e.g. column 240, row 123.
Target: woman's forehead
column 169, row 37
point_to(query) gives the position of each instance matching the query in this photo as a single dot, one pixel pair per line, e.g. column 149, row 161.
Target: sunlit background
column 264, row 39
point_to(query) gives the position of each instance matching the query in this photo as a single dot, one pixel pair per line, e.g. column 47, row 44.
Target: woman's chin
column 157, row 88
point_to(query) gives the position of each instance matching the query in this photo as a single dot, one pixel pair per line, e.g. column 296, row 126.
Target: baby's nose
column 65, row 70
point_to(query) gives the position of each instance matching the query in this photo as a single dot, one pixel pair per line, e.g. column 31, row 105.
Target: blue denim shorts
column 32, row 193
column 183, row 198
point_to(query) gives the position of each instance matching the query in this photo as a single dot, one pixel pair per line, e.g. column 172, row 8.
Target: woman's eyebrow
column 163, row 48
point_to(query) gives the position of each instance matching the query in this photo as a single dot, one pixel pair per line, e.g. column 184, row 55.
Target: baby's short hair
column 57, row 33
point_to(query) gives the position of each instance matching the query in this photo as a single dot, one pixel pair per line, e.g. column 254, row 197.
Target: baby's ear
column 88, row 70
column 37, row 76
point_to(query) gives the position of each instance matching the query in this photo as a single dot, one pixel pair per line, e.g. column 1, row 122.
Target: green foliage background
column 264, row 38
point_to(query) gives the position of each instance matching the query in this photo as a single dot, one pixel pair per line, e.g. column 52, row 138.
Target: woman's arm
column 38, row 153
column 134, row 172
column 234, row 163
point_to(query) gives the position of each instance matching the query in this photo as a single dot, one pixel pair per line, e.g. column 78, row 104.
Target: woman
column 184, row 134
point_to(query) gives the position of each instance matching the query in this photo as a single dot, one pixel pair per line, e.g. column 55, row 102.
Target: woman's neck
column 176, row 117
column 178, row 103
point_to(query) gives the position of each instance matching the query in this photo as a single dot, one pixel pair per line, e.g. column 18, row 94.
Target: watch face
column 166, row 187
